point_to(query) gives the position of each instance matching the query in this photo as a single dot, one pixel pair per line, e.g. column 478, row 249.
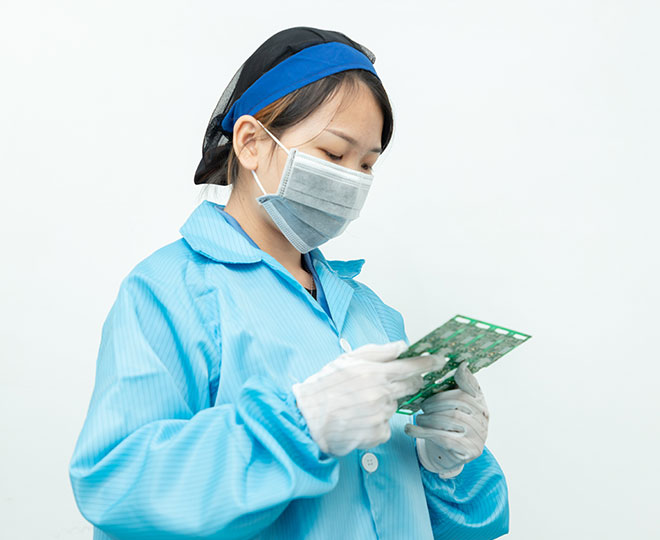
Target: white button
column 369, row 462
column 345, row 345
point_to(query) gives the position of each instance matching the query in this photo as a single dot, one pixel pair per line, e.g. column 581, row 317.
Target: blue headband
column 298, row 70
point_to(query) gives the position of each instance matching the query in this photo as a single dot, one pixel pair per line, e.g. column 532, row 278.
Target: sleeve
column 154, row 460
column 475, row 503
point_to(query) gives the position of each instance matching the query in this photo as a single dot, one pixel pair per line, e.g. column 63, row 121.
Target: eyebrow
column 351, row 139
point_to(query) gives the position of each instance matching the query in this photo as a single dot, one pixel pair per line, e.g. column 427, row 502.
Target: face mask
column 316, row 199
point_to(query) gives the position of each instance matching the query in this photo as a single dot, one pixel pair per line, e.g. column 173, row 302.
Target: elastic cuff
column 290, row 400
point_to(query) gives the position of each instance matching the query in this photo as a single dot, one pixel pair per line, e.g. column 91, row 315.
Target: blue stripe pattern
column 308, row 259
column 193, row 432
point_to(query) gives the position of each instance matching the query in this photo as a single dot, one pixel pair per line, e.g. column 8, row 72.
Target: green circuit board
column 459, row 339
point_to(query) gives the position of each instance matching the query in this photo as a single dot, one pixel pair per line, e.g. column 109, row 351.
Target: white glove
column 453, row 427
column 349, row 402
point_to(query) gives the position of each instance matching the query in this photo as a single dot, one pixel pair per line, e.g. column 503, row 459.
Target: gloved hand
column 348, row 403
column 453, row 427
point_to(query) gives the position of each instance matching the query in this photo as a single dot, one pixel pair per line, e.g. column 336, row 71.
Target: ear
column 244, row 141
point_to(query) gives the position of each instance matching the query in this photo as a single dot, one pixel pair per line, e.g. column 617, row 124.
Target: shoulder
column 168, row 261
column 171, row 271
column 166, row 293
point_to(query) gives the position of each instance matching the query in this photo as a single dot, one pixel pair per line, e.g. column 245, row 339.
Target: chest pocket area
column 285, row 346
column 363, row 324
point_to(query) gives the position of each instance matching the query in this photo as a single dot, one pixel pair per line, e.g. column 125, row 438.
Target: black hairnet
column 217, row 142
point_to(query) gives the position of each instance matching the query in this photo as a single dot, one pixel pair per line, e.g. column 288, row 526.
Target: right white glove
column 348, row 403
column 453, row 426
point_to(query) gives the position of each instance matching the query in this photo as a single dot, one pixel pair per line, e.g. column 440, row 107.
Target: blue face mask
column 316, row 199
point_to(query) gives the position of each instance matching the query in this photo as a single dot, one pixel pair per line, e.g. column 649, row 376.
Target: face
column 345, row 130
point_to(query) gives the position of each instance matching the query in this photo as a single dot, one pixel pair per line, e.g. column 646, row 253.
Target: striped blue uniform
column 193, row 432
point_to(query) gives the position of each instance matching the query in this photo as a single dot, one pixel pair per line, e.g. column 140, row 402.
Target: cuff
column 290, row 400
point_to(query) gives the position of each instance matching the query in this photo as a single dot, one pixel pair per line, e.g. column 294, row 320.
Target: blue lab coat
column 193, row 432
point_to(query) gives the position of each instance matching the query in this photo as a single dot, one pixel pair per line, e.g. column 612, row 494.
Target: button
column 345, row 345
column 369, row 462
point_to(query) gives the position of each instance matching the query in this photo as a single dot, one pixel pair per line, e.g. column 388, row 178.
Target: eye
column 332, row 156
column 367, row 167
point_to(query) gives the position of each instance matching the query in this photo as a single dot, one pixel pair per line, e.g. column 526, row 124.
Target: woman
column 246, row 386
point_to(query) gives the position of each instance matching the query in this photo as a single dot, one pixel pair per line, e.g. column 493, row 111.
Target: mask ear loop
column 281, row 146
column 254, row 174
column 274, row 138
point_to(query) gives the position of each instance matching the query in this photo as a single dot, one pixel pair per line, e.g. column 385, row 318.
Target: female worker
column 246, row 386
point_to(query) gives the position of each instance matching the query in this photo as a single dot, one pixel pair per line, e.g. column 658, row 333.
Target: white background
column 521, row 188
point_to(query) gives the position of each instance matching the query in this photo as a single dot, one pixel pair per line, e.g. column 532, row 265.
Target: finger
column 448, row 399
column 407, row 367
column 391, row 408
column 375, row 352
column 460, row 455
column 379, row 435
column 386, row 432
column 456, row 423
column 411, row 385
column 468, row 446
column 368, row 420
column 449, row 405
column 418, row 431
column 466, row 381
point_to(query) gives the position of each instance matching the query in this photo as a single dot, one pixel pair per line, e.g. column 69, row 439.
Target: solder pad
column 459, row 339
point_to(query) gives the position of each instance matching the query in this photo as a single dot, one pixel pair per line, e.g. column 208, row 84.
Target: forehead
column 351, row 110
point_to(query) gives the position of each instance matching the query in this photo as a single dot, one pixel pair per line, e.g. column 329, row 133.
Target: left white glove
column 453, row 427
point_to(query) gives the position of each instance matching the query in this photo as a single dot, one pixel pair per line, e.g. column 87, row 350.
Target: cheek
column 275, row 167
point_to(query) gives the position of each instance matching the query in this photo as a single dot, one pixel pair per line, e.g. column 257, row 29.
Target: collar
column 207, row 232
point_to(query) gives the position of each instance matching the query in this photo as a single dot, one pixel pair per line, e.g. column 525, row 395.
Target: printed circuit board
column 460, row 339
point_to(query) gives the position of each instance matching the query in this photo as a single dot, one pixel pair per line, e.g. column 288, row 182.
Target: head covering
column 288, row 60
